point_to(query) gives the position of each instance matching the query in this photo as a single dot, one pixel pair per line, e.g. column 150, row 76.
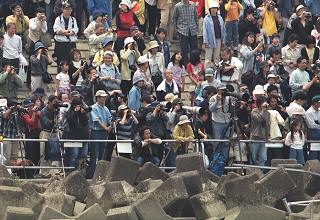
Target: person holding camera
column 20, row 20
column 143, row 71
column 134, row 95
column 174, row 113
column 157, row 120
column 37, row 27
column 9, row 82
column 303, row 25
column 77, row 69
column 270, row 17
column 248, row 23
column 107, row 45
column 290, row 53
column 39, row 62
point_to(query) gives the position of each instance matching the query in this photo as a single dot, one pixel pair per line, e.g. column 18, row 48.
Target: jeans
column 75, row 153
column 220, row 131
column 154, row 160
column 185, row 42
column 97, row 149
column 258, row 153
column 232, row 33
column 298, row 155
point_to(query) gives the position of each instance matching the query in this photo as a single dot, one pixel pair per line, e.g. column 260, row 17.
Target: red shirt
column 200, row 6
column 27, row 119
column 124, row 21
column 195, row 70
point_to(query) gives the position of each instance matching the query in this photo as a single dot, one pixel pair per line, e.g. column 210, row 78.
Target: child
column 63, row 79
column 274, row 46
column 178, row 69
column 295, row 139
column 194, row 67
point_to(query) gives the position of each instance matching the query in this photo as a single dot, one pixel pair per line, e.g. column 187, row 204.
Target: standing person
column 185, row 21
column 195, row 67
column 62, row 79
column 260, row 130
column 213, row 34
column 295, row 140
column 134, row 95
column 313, row 119
column 231, row 21
column 39, row 62
column 12, row 47
column 156, row 63
column 291, row 53
column 178, row 70
column 248, row 23
column 101, row 127
column 163, row 45
column 77, row 69
column 143, row 71
column 270, row 16
column 66, row 30
column 165, row 7
column 303, row 25
column 153, row 16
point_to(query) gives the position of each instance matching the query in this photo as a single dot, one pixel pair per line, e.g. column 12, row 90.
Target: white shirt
column 12, row 46
column 297, row 142
column 275, row 121
column 294, row 106
column 312, row 115
column 236, row 76
column 64, row 80
column 36, row 29
column 59, row 25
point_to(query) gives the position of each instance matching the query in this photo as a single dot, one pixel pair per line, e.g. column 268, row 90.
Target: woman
column 143, row 67
column 311, row 52
column 90, row 86
column 247, row 53
column 77, row 69
column 39, row 62
column 125, row 18
column 178, row 69
column 156, row 63
column 213, row 34
column 20, row 20
column 302, row 26
column 194, row 67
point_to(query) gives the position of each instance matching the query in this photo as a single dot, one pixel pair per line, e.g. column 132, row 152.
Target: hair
column 141, row 131
column 299, row 60
column 161, row 30
column 173, row 59
column 270, row 97
column 271, row 88
column 294, row 123
column 63, row 62
column 60, row 95
column 98, row 25
column 275, row 35
column 203, row 112
column 195, row 57
column 226, row 49
column 245, row 38
column 276, row 52
column 146, row 99
column 248, row 11
column 72, row 52
column 260, row 100
column 299, row 96
column 51, row 98
column 40, row 10
column 311, row 40
column 90, row 69
column 293, row 37
column 10, row 24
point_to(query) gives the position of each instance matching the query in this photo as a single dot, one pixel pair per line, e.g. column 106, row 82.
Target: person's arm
column 57, row 27
column 258, row 116
column 263, row 11
column 57, row 82
column 288, row 141
column 124, row 54
column 77, row 72
column 292, row 82
column 176, row 134
column 94, row 39
column 88, row 30
column 124, row 118
column 135, row 120
column 17, row 80
column 3, row 77
column 311, row 122
column 20, row 46
column 213, row 102
column 227, row 6
column 33, row 24
column 307, row 86
column 174, row 17
column 240, row 7
column 280, row 119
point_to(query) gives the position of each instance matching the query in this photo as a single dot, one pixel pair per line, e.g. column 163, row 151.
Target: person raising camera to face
column 302, row 26
column 9, row 82
column 270, row 17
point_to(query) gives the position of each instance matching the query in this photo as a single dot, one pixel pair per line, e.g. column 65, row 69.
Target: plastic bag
column 22, row 74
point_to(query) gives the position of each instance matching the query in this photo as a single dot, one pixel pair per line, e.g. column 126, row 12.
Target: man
column 96, row 39
column 163, row 45
column 299, row 78
column 247, row 24
column 168, row 85
column 291, row 53
column 65, row 29
column 19, row 19
column 298, row 100
column 12, row 47
column 185, row 20
column 37, row 27
column 9, row 82
column 313, row 123
column 100, row 128
column 232, row 18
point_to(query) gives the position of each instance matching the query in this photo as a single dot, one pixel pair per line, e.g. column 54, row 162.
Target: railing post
column 1, row 152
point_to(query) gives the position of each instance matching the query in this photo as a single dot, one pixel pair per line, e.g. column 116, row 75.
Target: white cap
column 127, row 3
column 214, row 4
column 258, row 90
column 300, row 7
column 142, row 59
column 128, row 40
column 271, row 76
column 101, row 93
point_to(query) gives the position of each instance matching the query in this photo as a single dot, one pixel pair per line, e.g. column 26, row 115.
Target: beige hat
column 258, row 90
column 122, row 107
column 101, row 93
column 183, row 120
column 153, row 44
column 214, row 4
column 108, row 53
column 170, row 97
column 298, row 111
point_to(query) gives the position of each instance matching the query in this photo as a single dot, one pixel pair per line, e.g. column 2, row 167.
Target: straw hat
column 153, row 44
column 183, row 120
column 170, row 97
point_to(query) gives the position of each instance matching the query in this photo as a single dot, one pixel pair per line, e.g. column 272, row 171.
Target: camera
column 271, row 6
column 58, row 105
column 308, row 15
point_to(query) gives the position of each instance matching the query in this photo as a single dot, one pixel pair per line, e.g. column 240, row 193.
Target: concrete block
column 76, row 185
column 123, row 169
column 61, row 202
column 209, row 185
column 148, row 185
column 116, row 193
column 101, row 171
column 122, row 213
column 78, row 208
column 50, row 213
column 312, row 182
column 298, row 216
column 94, row 194
column 4, row 172
column 190, row 162
column 207, row 204
column 255, row 170
column 192, row 181
column 54, row 185
column 7, row 182
column 19, row 213
column 32, row 198
column 277, row 162
column 297, row 177
column 222, row 181
column 262, row 212
column 149, row 170
column 149, row 208
column 10, row 196
column 211, row 176
column 94, row 212
column 274, row 186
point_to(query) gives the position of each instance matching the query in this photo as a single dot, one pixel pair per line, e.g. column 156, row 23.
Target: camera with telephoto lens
column 79, row 101
column 58, row 105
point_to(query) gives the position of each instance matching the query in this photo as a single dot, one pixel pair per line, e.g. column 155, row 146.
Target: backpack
column 217, row 164
column 247, row 78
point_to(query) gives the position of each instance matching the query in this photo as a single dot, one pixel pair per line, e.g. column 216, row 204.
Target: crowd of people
column 260, row 80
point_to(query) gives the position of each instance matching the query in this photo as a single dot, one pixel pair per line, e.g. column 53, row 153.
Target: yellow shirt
column 269, row 23
column 98, row 58
column 181, row 135
column 21, row 25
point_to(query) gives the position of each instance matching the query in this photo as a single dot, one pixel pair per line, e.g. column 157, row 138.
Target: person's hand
column 206, row 45
column 219, row 97
column 109, row 128
column 35, row 108
column 8, row 69
column 264, row 106
column 314, row 79
column 77, row 108
column 177, row 108
column 157, row 109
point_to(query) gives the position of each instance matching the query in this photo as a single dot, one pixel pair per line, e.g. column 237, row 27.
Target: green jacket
column 9, row 85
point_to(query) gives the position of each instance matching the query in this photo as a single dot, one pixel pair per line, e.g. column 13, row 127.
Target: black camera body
column 271, row 6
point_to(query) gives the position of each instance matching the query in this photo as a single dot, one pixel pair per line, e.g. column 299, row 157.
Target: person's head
column 248, row 39
column 101, row 97
column 107, row 44
column 275, row 38
column 40, row 13
column 97, row 16
column 91, row 72
column 37, row 101
column 311, row 42
column 184, row 121
column 225, row 53
column 121, row 110
column 264, row 68
column 272, row 79
column 276, row 56
column 38, row 48
column 66, row 10
column 99, row 28
column 145, row 133
column 248, row 14
column 260, row 100
column 17, row 10
column 209, row 74
column 195, row 57
column 51, row 101
column 299, row 97
column 11, row 28
column 161, row 34
column 168, row 75
column 176, row 58
column 64, row 66
column 145, row 100
column 316, row 102
column 300, row 10
column 75, row 55
column 213, row 8
column 273, row 90
column 64, row 97
column 138, row 81
column 203, row 115
column 153, row 47
column 134, row 30
column 295, row 126
column 125, row 5
column 143, row 63
column 107, row 58
column 208, row 92
column 293, row 40
column 243, row 88
column 272, row 101
column 28, row 103
column 302, row 63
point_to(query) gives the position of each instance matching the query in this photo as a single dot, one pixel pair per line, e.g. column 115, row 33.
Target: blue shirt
column 99, row 113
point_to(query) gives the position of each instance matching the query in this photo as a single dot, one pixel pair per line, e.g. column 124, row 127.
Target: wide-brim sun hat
column 127, row 3
column 137, row 78
column 122, row 107
column 101, row 93
column 38, row 46
column 214, row 4
column 128, row 40
column 170, row 97
column 258, row 90
column 183, row 120
column 142, row 59
column 153, row 44
column 106, row 41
